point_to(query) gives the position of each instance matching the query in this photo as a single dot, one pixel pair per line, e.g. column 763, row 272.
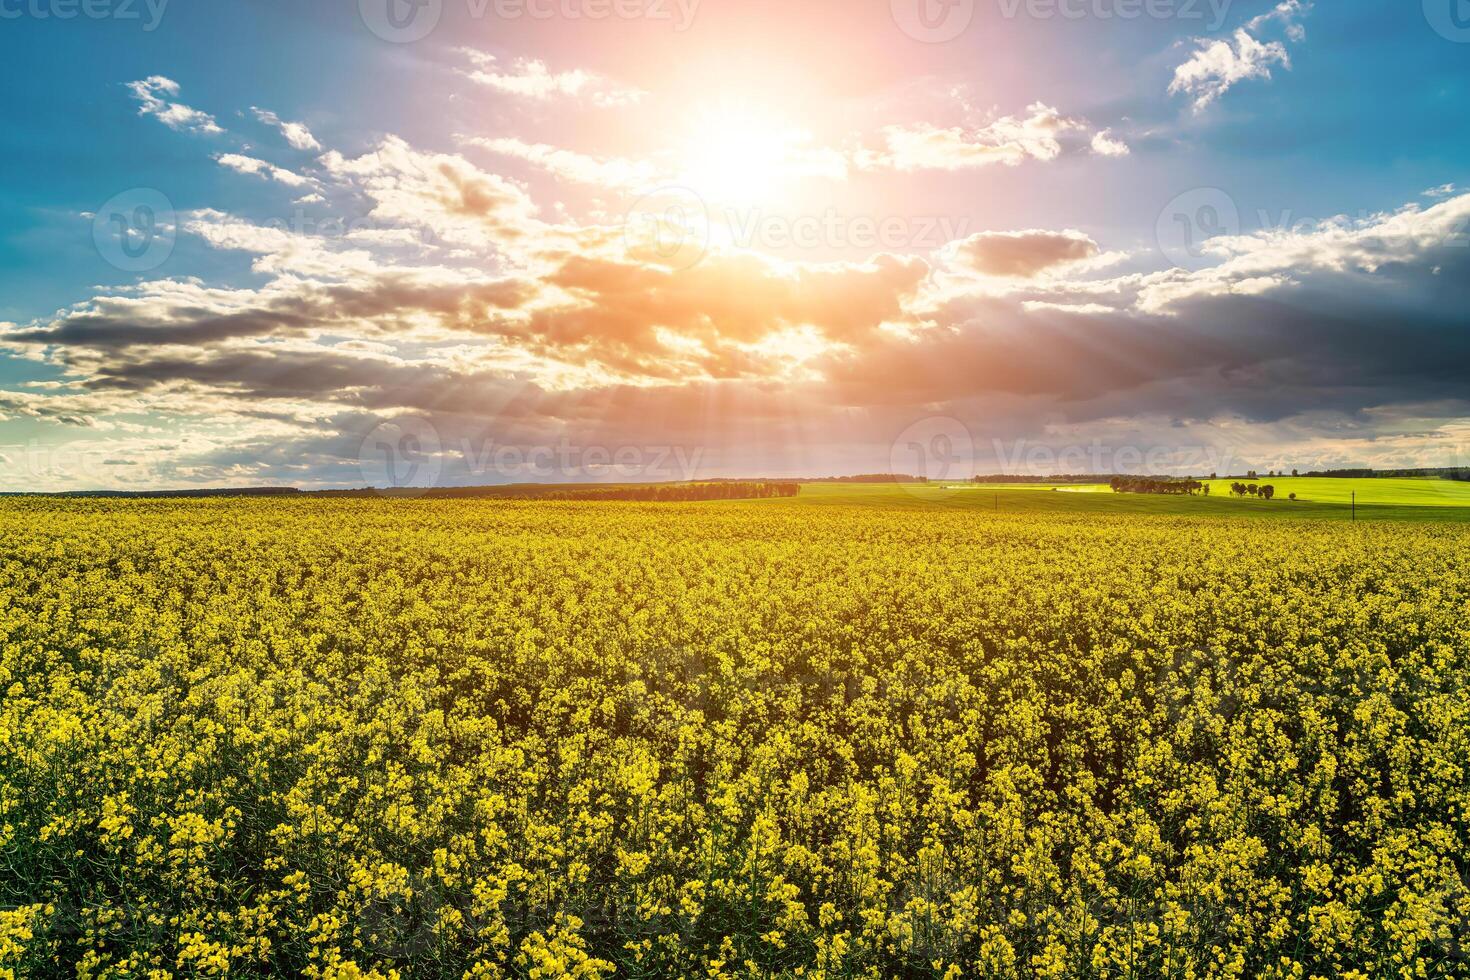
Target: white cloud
column 1079, row 309
column 1217, row 65
column 153, row 94
column 1105, row 144
column 442, row 193
column 1008, row 141
column 1443, row 190
column 259, row 168
column 569, row 165
column 1252, row 264
column 296, row 133
column 532, row 79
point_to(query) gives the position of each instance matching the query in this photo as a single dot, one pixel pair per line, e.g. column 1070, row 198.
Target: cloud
column 259, row 168
column 1105, row 144
column 1023, row 254
column 1443, row 190
column 614, row 173
column 1216, row 66
column 1081, row 309
column 457, row 302
column 1007, row 141
column 295, row 133
column 1351, row 249
column 153, row 94
column 532, row 79
column 442, row 193
column 721, row 311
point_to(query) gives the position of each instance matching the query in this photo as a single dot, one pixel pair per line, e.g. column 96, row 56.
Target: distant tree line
column 672, row 492
column 870, row 478
column 1444, row 473
column 1146, row 484
column 1058, row 478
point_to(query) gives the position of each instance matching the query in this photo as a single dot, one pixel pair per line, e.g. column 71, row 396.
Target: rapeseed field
column 373, row 739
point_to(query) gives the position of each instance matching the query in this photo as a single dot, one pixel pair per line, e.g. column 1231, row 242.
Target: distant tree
column 1147, row 484
column 1292, row 497
column 1207, row 489
column 1294, row 473
column 1268, row 491
column 1253, row 490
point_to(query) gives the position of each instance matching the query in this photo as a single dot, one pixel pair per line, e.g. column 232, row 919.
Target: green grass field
column 1318, row 499
column 1384, row 492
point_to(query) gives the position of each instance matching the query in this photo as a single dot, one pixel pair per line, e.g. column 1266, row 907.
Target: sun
column 742, row 157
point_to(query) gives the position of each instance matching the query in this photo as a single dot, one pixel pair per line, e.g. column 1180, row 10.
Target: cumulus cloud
column 1009, row 141
column 532, row 79
column 440, row 192
column 1105, row 144
column 459, row 303
column 1218, row 65
column 1006, row 141
column 296, row 134
column 154, row 95
column 1023, row 253
column 259, row 168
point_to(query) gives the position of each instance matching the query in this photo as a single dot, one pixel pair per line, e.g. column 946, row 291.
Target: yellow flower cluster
column 369, row 740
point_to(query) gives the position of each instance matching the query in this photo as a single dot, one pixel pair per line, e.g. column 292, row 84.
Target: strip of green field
column 1387, row 492
column 1319, row 499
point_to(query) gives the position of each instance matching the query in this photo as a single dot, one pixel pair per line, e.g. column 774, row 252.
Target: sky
column 460, row 242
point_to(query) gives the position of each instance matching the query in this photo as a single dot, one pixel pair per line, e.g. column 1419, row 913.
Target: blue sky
column 964, row 220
